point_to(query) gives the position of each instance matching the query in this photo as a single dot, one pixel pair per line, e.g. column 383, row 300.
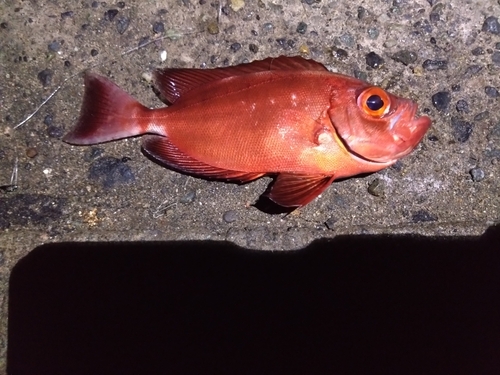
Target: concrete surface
column 448, row 186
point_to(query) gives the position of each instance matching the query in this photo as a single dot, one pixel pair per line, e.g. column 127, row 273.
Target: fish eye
column 374, row 102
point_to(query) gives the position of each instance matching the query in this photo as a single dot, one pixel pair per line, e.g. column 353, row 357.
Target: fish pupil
column 374, row 102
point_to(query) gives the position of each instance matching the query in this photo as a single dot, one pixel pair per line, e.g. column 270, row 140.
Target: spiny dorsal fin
column 173, row 83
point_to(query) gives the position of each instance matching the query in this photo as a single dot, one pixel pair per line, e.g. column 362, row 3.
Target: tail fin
column 107, row 113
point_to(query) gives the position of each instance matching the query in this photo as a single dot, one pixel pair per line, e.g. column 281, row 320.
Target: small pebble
column 373, row 32
column 268, row 28
column 158, row 27
column 481, row 116
column 302, row 28
column 495, row 57
column 94, row 4
column 347, row 39
column 456, row 88
column 48, row 120
column 360, row 75
column 339, row 53
column 31, row 152
column 213, row 27
column 68, row 14
column 477, row 174
column 235, row 47
column 94, row 52
column 121, row 4
column 330, row 223
column 54, row 46
column 362, row 13
column 55, row 131
column 122, row 24
column 441, row 101
column 472, row 70
column 236, row 5
column 432, row 2
column 230, row 216
column 435, row 65
column 461, row 129
column 374, row 61
column 478, row 51
column 188, row 197
column 463, row 106
column 110, row 14
column 67, row 64
column 94, row 153
column 377, row 187
column 432, row 138
column 492, row 92
column 497, row 46
column 45, row 77
column 491, row 25
column 423, row 216
column 405, row 57
column 253, row 48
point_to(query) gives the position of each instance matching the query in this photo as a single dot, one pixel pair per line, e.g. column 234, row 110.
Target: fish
column 285, row 117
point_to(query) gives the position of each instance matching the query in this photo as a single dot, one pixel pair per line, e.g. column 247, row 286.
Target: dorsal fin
column 173, row 83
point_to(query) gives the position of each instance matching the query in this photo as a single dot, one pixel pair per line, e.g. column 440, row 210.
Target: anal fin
column 296, row 190
column 163, row 151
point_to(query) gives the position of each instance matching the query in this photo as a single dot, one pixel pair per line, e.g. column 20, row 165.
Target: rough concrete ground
column 448, row 186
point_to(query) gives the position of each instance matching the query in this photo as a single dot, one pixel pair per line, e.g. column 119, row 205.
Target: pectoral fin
column 296, row 190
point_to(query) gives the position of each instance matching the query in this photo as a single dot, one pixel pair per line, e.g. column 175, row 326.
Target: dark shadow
column 351, row 305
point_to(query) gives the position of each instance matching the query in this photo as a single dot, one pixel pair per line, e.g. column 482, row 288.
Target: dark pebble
column 4, row 25
column 188, row 197
column 435, row 64
column 94, row 153
column 282, row 42
column 463, row 106
column 432, row 138
column 456, row 88
column 397, row 166
column 94, row 4
column 477, row 174
column 339, row 53
column 67, row 64
column 311, row 2
column 230, row 216
column 359, row 74
column 330, row 223
column 94, row 52
column 432, row 2
column 235, row 47
column 31, row 152
column 121, row 4
column 472, row 70
column 432, row 40
column 423, row 216
column 494, row 134
column 377, row 187
column 55, row 131
column 253, row 48
column 481, row 116
column 441, row 101
column 54, row 46
column 48, row 120
column 491, row 25
column 290, row 43
column 361, row 12
column 405, row 57
column 497, row 46
column 125, row 159
column 302, row 28
column 434, row 17
column 45, row 77
column 110, row 171
column 347, row 39
column 374, row 61
column 67, row 14
column 110, row 14
column 461, row 129
column 492, row 92
column 495, row 57
column 478, row 51
column 158, row 27
column 122, row 24
column 424, row 26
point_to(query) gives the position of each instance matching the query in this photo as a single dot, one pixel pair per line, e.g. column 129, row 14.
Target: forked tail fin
column 107, row 113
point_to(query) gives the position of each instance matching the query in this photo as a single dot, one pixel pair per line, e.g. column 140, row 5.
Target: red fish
column 286, row 116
